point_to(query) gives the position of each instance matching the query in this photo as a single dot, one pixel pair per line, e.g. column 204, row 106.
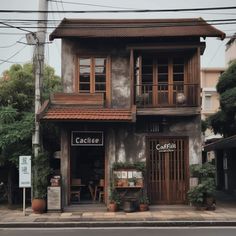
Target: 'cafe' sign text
column 87, row 138
column 167, row 147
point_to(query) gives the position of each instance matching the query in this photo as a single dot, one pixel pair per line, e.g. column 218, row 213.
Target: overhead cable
column 122, row 11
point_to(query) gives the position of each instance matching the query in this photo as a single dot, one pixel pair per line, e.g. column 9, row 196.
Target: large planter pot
column 143, row 207
column 210, row 203
column 112, row 207
column 129, row 205
column 39, row 206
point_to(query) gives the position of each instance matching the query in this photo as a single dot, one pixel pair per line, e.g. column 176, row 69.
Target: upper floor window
column 159, row 78
column 92, row 73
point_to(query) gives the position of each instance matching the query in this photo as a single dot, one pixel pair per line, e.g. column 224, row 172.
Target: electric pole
column 39, row 68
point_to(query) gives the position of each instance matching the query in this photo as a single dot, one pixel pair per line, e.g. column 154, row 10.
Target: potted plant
column 202, row 195
column 41, row 171
column 143, row 201
column 114, row 201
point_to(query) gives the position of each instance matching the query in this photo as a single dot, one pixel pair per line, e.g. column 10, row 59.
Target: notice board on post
column 24, row 171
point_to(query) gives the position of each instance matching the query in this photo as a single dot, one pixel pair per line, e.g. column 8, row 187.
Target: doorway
column 167, row 176
column 87, row 174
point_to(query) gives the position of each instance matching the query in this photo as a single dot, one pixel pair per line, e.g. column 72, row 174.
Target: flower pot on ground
column 40, row 181
column 112, row 207
column 38, row 206
column 143, row 201
column 114, row 201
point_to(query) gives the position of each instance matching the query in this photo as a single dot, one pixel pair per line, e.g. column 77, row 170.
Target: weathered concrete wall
column 120, row 78
column 131, row 146
column 191, row 127
column 120, row 82
column 68, row 65
column 127, row 146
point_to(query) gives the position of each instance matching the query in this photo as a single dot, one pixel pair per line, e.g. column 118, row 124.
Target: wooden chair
column 75, row 188
column 100, row 190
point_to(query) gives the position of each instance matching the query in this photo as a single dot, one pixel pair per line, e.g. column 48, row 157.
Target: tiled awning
column 74, row 113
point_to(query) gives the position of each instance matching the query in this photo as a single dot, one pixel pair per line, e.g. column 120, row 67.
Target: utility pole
column 39, row 68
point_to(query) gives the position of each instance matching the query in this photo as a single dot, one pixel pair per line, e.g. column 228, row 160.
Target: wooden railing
column 167, row 95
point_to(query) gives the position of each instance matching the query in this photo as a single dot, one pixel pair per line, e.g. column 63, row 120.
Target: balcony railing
column 167, row 95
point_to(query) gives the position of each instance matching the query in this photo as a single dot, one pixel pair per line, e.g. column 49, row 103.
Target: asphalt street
column 180, row 231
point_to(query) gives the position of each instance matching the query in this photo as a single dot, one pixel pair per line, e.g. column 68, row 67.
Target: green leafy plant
column 143, row 199
column 115, row 197
column 139, row 165
column 41, row 171
column 206, row 187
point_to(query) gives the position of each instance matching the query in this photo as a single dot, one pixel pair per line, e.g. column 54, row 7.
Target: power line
column 12, row 62
column 53, row 21
column 17, row 27
column 88, row 4
column 161, row 25
column 123, row 11
column 9, row 58
column 11, row 45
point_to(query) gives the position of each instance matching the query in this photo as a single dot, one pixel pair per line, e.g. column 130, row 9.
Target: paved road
column 192, row 231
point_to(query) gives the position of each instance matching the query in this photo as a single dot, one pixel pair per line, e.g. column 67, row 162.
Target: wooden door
column 167, row 170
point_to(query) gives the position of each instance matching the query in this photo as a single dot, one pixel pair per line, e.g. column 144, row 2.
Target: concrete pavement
column 224, row 215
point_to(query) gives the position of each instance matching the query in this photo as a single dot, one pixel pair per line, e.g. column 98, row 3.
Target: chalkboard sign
column 54, row 198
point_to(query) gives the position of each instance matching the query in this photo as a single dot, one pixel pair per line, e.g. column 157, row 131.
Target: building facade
column 210, row 98
column 131, row 93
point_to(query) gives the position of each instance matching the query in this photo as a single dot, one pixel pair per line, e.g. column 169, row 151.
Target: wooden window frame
column 155, row 76
column 92, row 59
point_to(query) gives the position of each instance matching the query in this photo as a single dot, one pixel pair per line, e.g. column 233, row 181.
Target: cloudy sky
column 13, row 49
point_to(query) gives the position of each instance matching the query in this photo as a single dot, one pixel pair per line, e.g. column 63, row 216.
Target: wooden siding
column 78, row 99
column 167, row 171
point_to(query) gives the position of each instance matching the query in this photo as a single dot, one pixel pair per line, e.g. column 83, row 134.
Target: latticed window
column 159, row 78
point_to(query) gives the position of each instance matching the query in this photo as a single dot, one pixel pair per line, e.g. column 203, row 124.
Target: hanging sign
column 87, row 138
column 167, row 147
column 24, row 171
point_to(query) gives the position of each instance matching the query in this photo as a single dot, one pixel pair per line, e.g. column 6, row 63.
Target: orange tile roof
column 91, row 114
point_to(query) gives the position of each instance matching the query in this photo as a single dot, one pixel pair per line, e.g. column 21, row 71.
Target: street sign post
column 24, row 175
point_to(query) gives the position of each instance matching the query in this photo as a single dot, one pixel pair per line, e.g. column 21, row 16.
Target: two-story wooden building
column 131, row 92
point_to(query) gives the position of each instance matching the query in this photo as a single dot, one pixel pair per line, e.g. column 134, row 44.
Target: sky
column 12, row 41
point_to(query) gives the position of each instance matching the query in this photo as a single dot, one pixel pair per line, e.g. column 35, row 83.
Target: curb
column 107, row 224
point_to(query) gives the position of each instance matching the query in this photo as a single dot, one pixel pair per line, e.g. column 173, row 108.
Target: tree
column 17, row 111
column 224, row 121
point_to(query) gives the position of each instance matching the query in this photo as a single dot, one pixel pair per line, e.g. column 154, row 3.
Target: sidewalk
column 224, row 215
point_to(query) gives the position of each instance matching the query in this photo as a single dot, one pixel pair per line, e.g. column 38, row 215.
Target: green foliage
column 143, row 199
column 196, row 195
column 204, row 125
column 140, row 165
column 17, row 110
column 202, row 171
column 206, row 186
column 41, row 172
column 227, row 79
column 7, row 115
column 224, row 122
column 228, row 100
column 115, row 196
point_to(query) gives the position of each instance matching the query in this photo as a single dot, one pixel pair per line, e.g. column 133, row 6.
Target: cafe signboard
column 167, row 147
column 87, row 138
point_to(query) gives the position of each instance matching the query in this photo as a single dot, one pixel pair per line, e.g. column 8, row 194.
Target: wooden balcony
column 167, row 99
